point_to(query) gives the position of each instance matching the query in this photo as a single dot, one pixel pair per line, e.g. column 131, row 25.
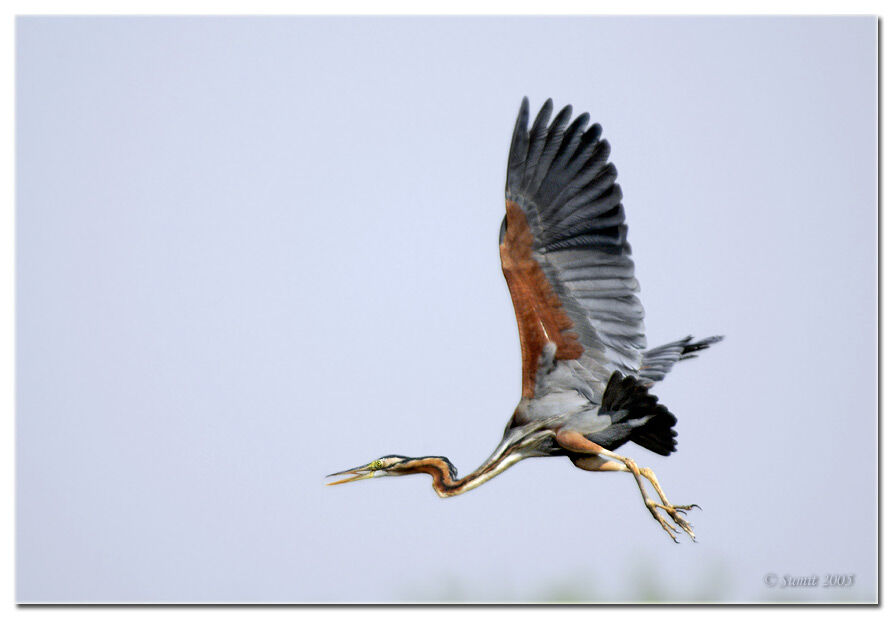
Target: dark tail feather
column 658, row 434
column 636, row 415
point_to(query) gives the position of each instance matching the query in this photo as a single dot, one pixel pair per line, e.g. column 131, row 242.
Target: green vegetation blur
column 641, row 583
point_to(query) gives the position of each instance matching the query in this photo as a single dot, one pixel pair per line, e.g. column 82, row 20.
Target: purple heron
column 586, row 372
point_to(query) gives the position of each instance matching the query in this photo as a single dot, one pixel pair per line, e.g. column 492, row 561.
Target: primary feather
column 559, row 175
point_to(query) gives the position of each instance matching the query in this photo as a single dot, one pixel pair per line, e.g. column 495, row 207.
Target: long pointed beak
column 361, row 472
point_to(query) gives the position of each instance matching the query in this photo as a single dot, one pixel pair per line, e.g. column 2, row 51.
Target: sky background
column 254, row 251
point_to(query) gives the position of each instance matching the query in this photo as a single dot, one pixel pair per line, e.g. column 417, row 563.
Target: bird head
column 384, row 466
column 398, row 465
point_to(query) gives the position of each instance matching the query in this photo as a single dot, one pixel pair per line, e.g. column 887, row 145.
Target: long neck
column 446, row 484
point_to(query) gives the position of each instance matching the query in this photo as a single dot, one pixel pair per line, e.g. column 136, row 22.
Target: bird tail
column 657, row 362
column 636, row 416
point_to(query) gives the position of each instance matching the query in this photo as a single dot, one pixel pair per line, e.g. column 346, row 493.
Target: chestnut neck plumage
column 513, row 448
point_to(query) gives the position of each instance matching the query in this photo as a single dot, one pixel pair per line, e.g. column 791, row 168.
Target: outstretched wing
column 564, row 251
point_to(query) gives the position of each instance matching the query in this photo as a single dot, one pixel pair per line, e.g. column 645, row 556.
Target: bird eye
column 377, row 464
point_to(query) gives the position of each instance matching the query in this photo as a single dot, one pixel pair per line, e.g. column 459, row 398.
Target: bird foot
column 673, row 511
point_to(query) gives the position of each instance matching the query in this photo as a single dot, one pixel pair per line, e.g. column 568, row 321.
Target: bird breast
column 565, row 407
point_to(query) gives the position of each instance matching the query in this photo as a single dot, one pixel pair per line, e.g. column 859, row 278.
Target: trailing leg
column 606, row 460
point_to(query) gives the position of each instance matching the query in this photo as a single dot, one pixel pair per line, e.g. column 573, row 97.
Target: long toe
column 683, row 523
column 674, row 511
column 670, row 529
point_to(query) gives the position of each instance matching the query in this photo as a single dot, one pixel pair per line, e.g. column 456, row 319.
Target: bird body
column 586, row 373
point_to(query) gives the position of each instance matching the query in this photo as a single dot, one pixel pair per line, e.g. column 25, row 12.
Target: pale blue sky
column 251, row 252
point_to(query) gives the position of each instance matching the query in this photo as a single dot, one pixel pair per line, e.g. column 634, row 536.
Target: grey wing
column 559, row 175
column 657, row 362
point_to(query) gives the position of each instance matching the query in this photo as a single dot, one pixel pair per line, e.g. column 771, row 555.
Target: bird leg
column 576, row 442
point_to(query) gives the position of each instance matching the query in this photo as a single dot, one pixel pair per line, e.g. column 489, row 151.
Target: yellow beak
column 361, row 472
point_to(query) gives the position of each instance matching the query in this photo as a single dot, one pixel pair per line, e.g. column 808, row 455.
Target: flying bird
column 586, row 370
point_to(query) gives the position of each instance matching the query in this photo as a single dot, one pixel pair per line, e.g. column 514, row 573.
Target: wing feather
column 564, row 249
